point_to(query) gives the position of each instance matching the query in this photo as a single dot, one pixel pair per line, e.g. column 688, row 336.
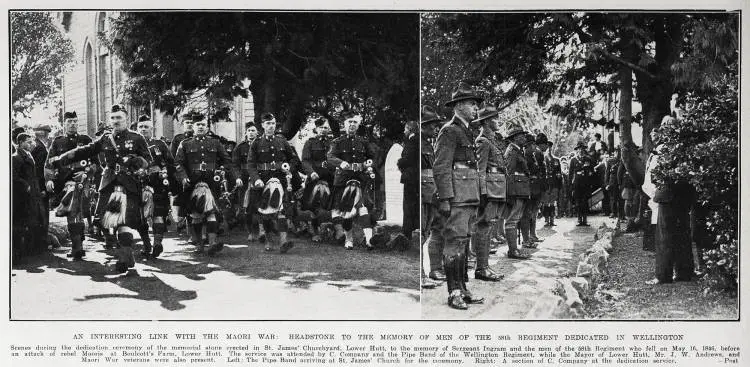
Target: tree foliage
column 702, row 149
column 297, row 63
column 39, row 55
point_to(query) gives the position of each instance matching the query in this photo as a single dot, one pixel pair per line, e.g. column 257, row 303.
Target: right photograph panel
column 580, row 165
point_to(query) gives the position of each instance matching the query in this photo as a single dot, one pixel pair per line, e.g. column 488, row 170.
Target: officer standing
column 71, row 179
column 518, row 188
column 432, row 222
column 457, row 183
column 202, row 165
column 317, row 197
column 272, row 162
column 353, row 180
column 537, row 182
column 247, row 201
column 554, row 183
column 581, row 171
column 126, row 157
column 492, row 180
column 159, row 182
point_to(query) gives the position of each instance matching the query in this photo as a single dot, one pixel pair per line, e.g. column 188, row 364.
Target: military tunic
column 581, row 172
column 354, row 150
column 161, row 175
column 516, row 164
column 315, row 159
column 203, row 159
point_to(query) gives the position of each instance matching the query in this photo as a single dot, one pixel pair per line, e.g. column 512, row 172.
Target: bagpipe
column 76, row 190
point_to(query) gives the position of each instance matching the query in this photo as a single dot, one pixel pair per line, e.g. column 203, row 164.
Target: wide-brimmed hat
column 463, row 92
column 486, row 113
column 513, row 131
column 541, row 138
column 429, row 116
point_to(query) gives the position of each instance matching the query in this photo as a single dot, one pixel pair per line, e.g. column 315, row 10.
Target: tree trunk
column 634, row 164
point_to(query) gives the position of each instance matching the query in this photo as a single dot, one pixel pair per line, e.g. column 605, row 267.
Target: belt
column 427, row 172
column 462, row 165
column 269, row 166
column 356, row 167
column 494, row 170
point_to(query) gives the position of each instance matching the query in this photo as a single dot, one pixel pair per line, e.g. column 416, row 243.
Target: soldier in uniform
column 353, row 181
column 554, row 180
column 159, row 182
column 537, row 182
column 492, row 180
column 611, row 185
column 431, row 123
column 272, row 162
column 247, row 200
column 70, row 184
column 182, row 197
column 518, row 188
column 317, row 197
column 202, row 163
column 457, row 183
column 408, row 164
column 580, row 172
column 126, row 157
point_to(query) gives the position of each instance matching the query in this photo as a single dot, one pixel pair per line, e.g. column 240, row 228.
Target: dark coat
column 351, row 149
column 429, row 190
column 199, row 157
column 269, row 150
column 489, row 158
column 409, row 164
column 315, row 158
column 581, row 173
column 455, row 145
column 28, row 211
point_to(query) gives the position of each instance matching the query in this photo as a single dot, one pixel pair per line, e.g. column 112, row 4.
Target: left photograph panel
column 214, row 166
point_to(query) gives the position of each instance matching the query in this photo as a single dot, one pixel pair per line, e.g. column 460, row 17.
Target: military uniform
column 352, row 187
column 72, row 179
column 205, row 163
column 160, row 181
column 247, row 199
column 316, row 197
column 554, row 185
column 581, row 172
column 538, row 183
column 492, row 181
column 126, row 155
column 517, row 169
column 182, row 196
column 431, row 220
column 266, row 161
column 410, row 178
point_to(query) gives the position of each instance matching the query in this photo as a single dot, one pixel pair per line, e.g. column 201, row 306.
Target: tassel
column 246, row 198
column 320, row 196
column 116, row 207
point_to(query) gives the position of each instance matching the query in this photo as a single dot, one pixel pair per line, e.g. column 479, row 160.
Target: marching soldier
column 126, row 157
column 518, row 188
column 182, row 197
column 70, row 184
column 353, row 191
column 457, row 183
column 247, row 200
column 492, row 180
column 580, row 172
column 271, row 163
column 554, row 183
column 202, row 165
column 159, row 182
column 317, row 197
column 431, row 123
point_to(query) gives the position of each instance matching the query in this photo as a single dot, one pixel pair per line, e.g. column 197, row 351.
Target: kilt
column 306, row 197
column 213, row 187
column 133, row 209
column 161, row 194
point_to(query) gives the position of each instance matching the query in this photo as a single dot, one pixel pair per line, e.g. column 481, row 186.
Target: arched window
column 91, row 121
column 105, row 68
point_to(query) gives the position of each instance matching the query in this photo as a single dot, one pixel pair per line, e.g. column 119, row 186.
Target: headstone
column 394, row 189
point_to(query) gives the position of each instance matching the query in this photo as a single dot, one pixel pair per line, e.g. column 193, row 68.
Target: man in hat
column 248, row 198
column 554, row 183
column 70, row 182
column 39, row 153
column 28, row 211
column 457, row 183
column 126, row 157
column 493, row 195
column 537, row 182
column 158, row 183
column 272, row 162
column 353, row 181
column 432, row 222
column 408, row 164
column 518, row 188
column 580, row 173
column 202, row 167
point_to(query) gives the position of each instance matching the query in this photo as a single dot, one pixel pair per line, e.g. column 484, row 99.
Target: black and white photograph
column 214, row 165
column 580, row 165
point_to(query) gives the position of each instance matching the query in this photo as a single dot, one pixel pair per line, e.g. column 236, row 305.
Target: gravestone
column 394, row 189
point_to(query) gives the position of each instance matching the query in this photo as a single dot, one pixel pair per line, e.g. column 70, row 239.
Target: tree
column 297, row 63
column 39, row 54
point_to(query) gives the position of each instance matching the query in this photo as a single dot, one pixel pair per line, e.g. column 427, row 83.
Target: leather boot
column 523, row 225
column 125, row 257
column 76, row 231
column 513, row 252
column 482, row 245
column 159, row 229
column 143, row 232
column 434, row 251
column 455, row 293
column 467, row 295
